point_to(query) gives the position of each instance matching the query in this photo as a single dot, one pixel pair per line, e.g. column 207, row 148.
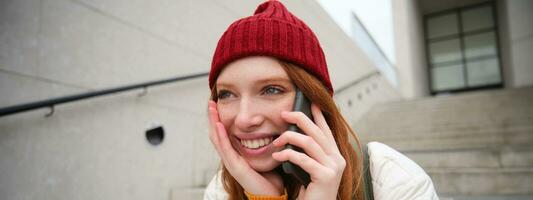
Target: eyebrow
column 263, row 80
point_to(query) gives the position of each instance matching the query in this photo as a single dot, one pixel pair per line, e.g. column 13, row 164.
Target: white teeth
column 256, row 143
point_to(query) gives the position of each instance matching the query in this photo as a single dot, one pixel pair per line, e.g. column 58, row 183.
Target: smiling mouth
column 257, row 143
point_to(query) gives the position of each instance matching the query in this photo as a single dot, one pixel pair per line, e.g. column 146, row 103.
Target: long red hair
column 351, row 182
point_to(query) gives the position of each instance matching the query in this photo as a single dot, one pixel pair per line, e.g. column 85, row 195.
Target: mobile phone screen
column 302, row 104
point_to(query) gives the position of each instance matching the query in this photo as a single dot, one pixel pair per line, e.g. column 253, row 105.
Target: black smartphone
column 302, row 104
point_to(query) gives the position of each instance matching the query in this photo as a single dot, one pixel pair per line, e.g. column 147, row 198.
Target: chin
column 263, row 165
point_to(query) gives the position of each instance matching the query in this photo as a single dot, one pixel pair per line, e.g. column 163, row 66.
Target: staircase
column 476, row 145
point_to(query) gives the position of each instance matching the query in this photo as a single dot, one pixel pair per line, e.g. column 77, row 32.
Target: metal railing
column 357, row 81
column 66, row 99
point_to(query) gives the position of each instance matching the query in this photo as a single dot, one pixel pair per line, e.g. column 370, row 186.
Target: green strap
column 369, row 193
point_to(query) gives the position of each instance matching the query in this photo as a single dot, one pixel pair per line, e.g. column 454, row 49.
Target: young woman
column 257, row 66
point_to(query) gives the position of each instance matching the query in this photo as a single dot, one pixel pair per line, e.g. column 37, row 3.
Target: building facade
column 450, row 56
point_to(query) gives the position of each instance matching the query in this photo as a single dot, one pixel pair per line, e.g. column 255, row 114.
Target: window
column 462, row 49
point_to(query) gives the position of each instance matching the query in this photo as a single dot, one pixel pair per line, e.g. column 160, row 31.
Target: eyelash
column 222, row 94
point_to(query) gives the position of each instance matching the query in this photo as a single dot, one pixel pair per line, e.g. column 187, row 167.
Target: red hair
column 351, row 182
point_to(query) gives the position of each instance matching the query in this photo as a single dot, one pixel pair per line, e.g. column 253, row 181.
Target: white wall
column 96, row 148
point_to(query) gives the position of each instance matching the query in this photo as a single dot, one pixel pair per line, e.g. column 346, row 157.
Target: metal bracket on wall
column 67, row 99
column 51, row 111
column 144, row 92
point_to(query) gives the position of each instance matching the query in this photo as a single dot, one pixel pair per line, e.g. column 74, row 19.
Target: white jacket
column 394, row 177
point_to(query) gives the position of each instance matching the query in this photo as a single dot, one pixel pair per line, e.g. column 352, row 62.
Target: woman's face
column 252, row 93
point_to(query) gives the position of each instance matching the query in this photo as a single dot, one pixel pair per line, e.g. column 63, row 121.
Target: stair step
column 479, row 120
column 492, row 197
column 460, row 128
column 187, row 193
column 454, row 140
column 473, row 100
column 473, row 145
column 502, row 157
column 494, row 105
column 483, row 181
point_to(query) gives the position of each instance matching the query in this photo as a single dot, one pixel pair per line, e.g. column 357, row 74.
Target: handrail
column 357, row 81
column 66, row 99
column 55, row 101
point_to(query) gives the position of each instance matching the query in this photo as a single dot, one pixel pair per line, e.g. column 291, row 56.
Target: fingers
column 308, row 144
column 305, row 124
column 308, row 164
column 320, row 131
column 237, row 166
column 221, row 140
column 219, row 135
column 321, row 121
column 212, row 104
column 213, row 118
column 224, row 142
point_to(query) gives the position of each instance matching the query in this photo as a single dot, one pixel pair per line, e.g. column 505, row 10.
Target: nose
column 249, row 115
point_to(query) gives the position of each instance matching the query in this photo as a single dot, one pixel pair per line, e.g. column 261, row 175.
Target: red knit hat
column 271, row 31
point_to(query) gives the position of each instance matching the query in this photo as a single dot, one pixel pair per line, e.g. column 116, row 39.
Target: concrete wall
column 410, row 51
column 359, row 99
column 515, row 34
column 518, row 17
column 431, row 6
column 96, row 148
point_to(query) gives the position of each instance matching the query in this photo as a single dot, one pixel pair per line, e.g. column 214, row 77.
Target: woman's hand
column 269, row 183
column 322, row 160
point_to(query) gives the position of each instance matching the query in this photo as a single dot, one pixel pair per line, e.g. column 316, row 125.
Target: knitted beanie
column 271, row 31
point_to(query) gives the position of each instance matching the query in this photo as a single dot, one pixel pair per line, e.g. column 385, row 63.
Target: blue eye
column 270, row 90
column 223, row 94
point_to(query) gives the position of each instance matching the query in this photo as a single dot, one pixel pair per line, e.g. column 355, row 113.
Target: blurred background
column 448, row 83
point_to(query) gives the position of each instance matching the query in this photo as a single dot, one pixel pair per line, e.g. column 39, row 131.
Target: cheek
column 226, row 115
column 275, row 112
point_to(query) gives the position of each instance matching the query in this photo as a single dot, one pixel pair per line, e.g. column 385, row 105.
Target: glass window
column 484, row 72
column 479, row 45
column 462, row 49
column 444, row 51
column 442, row 26
column 477, row 18
column 448, row 77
